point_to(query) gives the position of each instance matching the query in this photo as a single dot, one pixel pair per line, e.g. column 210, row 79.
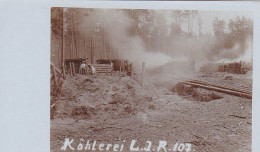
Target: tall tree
column 240, row 28
column 219, row 27
column 190, row 15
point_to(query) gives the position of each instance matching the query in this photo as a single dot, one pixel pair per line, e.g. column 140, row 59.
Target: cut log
column 223, row 87
column 56, row 68
column 54, row 79
column 238, row 116
column 222, row 90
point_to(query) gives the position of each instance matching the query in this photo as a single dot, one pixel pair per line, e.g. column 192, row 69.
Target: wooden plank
column 103, row 68
column 103, row 71
column 97, row 67
column 101, row 65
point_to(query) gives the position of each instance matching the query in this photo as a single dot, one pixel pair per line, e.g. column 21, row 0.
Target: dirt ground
column 110, row 109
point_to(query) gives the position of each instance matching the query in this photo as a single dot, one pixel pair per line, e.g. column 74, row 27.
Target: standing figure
column 93, row 70
column 83, row 68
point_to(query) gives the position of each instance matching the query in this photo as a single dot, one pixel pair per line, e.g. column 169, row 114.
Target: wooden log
column 54, row 79
column 56, row 68
column 59, row 82
column 235, row 93
column 223, row 87
column 243, row 117
column 214, row 85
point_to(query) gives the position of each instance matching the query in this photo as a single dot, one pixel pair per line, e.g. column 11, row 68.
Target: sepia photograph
column 150, row 80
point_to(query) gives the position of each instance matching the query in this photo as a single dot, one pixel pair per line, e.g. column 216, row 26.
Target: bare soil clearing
column 110, row 109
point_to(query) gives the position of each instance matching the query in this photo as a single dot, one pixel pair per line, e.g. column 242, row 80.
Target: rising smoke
column 184, row 48
column 240, row 51
column 129, row 47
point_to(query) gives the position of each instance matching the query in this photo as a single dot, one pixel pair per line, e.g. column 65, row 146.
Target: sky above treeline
column 208, row 16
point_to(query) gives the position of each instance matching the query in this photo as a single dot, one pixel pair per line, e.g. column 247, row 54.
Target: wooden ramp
column 103, row 68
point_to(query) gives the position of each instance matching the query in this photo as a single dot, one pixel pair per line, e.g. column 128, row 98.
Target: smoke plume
column 201, row 49
column 116, row 23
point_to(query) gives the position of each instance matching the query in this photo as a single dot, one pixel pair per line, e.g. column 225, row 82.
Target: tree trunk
column 85, row 51
column 72, row 44
column 91, row 51
column 75, row 36
column 62, row 39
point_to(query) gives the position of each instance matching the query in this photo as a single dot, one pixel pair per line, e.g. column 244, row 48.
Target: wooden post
column 73, row 69
column 240, row 67
column 223, row 67
column 234, row 67
column 120, row 69
column 110, row 50
column 143, row 72
column 70, row 69
column 132, row 70
column 62, row 45
column 84, row 52
column 63, row 70
column 72, row 44
column 91, row 52
column 104, row 48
